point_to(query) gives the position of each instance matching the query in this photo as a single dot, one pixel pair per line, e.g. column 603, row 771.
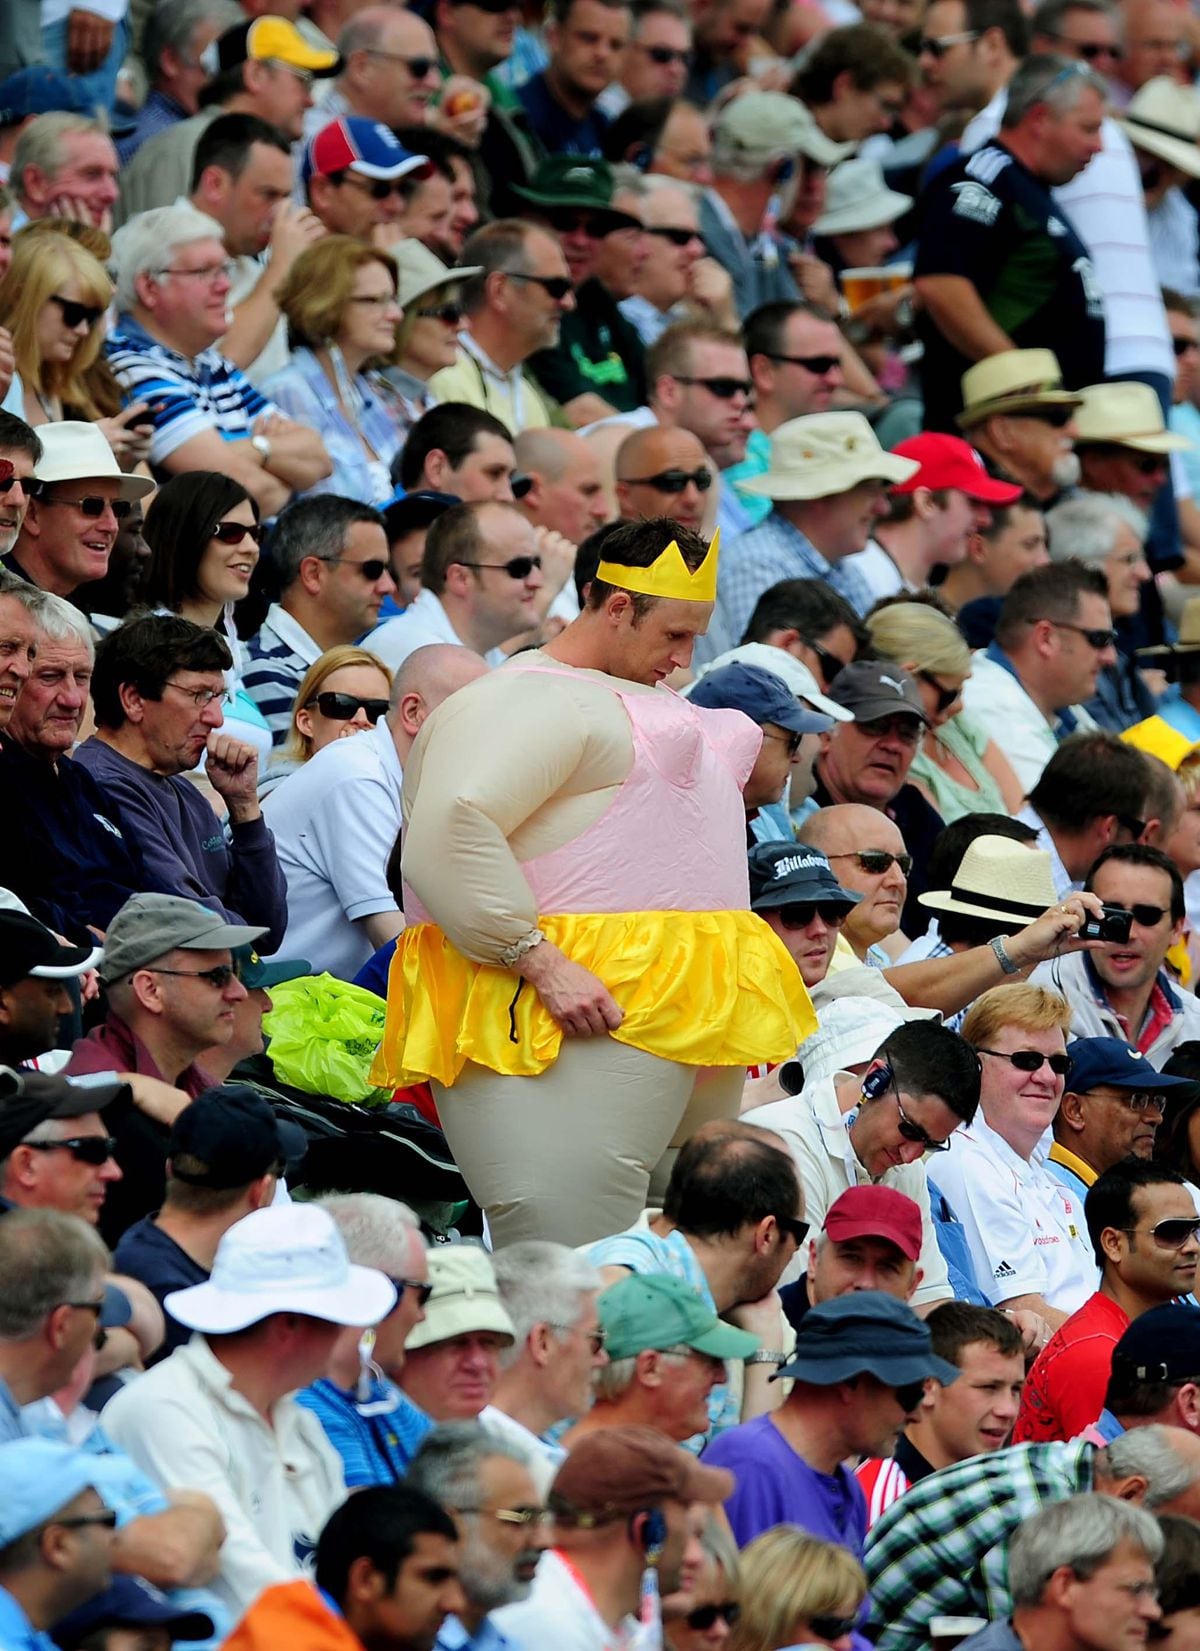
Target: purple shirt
column 775, row 1486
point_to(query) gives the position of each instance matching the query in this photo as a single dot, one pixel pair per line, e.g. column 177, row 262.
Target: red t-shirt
column 1064, row 1392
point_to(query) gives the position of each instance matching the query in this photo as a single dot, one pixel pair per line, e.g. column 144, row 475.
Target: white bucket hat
column 74, row 452
column 288, row 1258
column 989, row 866
column 784, row 665
column 1163, row 118
column 1127, row 415
column 822, row 454
column 849, row 1032
column 858, row 198
column 465, row 1298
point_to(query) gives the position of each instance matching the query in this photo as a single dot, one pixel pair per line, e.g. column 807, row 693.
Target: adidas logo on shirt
column 1004, row 1270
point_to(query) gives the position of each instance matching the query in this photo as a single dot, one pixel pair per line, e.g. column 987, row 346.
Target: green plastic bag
column 324, row 1033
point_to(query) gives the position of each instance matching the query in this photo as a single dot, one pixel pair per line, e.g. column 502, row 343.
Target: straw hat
column 1163, row 118
column 1188, row 639
column 1127, row 415
column 993, row 863
column 1012, row 382
column 858, row 198
column 421, row 271
column 825, row 453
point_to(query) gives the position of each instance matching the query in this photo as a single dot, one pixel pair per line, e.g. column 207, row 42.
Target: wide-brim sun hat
column 74, row 452
column 420, row 272
column 1163, row 118
column 1125, row 414
column 1187, row 639
column 1014, row 381
column 998, row 878
column 858, row 198
column 822, row 454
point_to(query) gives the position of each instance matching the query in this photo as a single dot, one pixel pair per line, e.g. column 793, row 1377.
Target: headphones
column 877, row 1083
column 651, row 1535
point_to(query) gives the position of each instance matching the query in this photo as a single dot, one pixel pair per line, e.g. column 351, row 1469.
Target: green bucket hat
column 653, row 1310
column 575, row 181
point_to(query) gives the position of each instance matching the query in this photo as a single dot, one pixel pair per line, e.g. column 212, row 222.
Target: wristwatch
column 1002, row 958
column 261, row 445
column 766, row 1355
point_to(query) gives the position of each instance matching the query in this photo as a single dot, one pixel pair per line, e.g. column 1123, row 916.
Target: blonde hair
column 41, row 265
column 914, row 633
column 320, row 283
column 298, row 747
column 787, row 1577
column 1188, row 775
column 1032, row 1008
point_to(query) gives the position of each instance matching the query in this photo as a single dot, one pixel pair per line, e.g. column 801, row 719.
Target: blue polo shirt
column 17, row 1633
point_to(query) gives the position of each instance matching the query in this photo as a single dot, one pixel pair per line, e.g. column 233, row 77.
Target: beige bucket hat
column 857, row 197
column 1126, row 415
column 465, row 1297
column 420, row 272
column 1012, row 382
column 825, row 453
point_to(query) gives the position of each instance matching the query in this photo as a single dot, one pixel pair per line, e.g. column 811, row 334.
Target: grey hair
column 377, row 1230
column 172, row 24
column 1082, row 529
column 62, row 622
column 499, row 246
column 46, row 1258
column 29, row 596
column 613, row 1380
column 1145, row 1453
column 1081, row 1533
column 629, row 180
column 40, row 144
column 447, row 1463
column 1048, row 77
column 149, row 241
column 541, row 1283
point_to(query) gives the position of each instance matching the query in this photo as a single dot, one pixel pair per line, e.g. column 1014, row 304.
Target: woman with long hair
column 343, row 692
column 797, row 1590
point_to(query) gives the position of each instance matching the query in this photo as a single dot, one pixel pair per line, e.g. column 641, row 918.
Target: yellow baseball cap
column 268, row 38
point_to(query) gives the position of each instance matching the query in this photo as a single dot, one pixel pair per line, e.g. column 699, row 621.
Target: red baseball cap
column 876, row 1212
column 949, row 461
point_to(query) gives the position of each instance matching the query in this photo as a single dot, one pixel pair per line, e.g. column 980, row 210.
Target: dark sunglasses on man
column 674, row 481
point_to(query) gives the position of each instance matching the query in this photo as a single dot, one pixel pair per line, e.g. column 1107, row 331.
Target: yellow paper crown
column 668, row 575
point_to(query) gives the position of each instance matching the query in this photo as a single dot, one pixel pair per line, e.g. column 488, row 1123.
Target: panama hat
column 1014, row 381
column 858, row 198
column 820, row 454
column 1163, row 118
column 421, row 272
column 1187, row 641
column 993, row 863
column 1125, row 415
column 74, row 452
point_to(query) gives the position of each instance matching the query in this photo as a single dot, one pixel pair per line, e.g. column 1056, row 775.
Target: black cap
column 28, row 947
column 1162, row 1345
column 409, row 511
column 28, row 1099
column 233, row 1132
column 875, row 688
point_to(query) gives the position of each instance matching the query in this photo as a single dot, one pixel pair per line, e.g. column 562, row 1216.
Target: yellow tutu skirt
column 701, row 988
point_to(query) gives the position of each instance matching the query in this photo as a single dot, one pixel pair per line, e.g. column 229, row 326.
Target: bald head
column 844, row 831
column 849, row 828
column 432, row 674
column 648, row 452
column 647, row 456
column 671, row 206
column 549, row 453
column 566, row 492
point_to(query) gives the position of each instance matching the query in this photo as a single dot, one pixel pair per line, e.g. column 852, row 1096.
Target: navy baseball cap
column 232, row 1131
column 763, row 696
column 783, row 873
column 130, row 1603
column 1162, row 1345
column 405, row 512
column 1096, row 1061
column 865, row 1332
column 38, row 90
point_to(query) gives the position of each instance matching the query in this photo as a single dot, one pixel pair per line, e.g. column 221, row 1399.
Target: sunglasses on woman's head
column 232, row 533
column 1031, row 1060
column 705, row 1615
column 74, row 312
column 341, row 707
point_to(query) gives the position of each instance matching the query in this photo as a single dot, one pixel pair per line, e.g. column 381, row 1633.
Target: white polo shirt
column 335, row 822
column 560, row 1612
column 1025, row 1229
column 422, row 624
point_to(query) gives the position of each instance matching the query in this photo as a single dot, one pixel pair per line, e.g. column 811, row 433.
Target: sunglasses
column 830, row 663
column 556, row 286
column 1172, row 1234
column 1098, row 639
column 451, row 314
column 674, row 481
column 1148, row 916
column 379, row 189
column 9, row 479
column 1149, row 464
column 723, row 388
column 1089, row 50
column 520, row 567
column 1181, row 346
column 418, row 1286
column 818, row 364
column 497, row 8
column 74, row 312
column 799, row 914
column 1135, row 827
column 93, row 506
column 341, row 707
column 937, row 45
column 705, row 1615
column 796, row 1229
column 908, row 1397
column 792, row 741
column 88, row 1149
column 1031, row 1060
column 1059, row 417
column 232, row 533
column 677, row 234
column 372, row 570
column 945, row 696
column 565, row 220
column 107, row 1520
column 220, row 976
column 833, row 1628
column 911, row 1130
column 662, row 55
column 877, row 860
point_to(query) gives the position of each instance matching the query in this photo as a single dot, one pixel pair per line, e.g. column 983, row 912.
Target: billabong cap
column 130, row 1603
column 949, row 461
column 367, row 147
column 876, row 1212
column 760, row 695
column 151, row 925
column 652, row 1310
column 1110, row 1061
column 268, row 39
column 617, row 1471
column 28, row 1099
column 28, row 947
column 232, row 1131
column 868, row 1333
column 40, row 1477
column 783, row 873
column 873, row 688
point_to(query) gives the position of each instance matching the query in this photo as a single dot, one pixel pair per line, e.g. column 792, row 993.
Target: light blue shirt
column 302, row 391
column 1184, row 718
column 17, row 1633
column 452, row 1636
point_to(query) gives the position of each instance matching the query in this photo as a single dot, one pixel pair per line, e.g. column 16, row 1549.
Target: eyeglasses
column 304, row 76
column 937, row 45
column 723, row 388
column 830, row 663
column 107, row 1519
column 832, row 1628
column 341, row 707
column 73, row 312
column 200, row 697
column 209, row 274
column 911, row 1130
column 232, row 533
column 677, row 234
column 420, row 1288
column 1089, row 50
column 556, row 286
column 418, row 67
column 705, row 1615
column 1181, row 346
column 1172, row 1234
column 817, row 364
column 514, row 1516
column 674, row 481
column 800, row 913
column 377, row 300
column 662, row 55
column 595, row 1338
column 945, row 696
column 1097, row 639
column 1031, row 1060
column 371, row 570
column 1059, row 417
column 93, row 506
column 218, row 976
column 792, row 741
column 876, row 861
column 451, row 314
column 519, row 567
column 1137, row 1100
column 88, row 1149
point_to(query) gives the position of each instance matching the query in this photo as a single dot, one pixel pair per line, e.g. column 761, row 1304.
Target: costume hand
column 89, row 38
column 580, row 1003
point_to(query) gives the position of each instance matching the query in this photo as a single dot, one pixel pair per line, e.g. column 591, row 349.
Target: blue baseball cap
column 868, row 1333
column 130, row 1603
column 368, row 147
column 763, row 696
column 41, row 91
column 1096, row 1061
column 40, row 1476
column 782, row 873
